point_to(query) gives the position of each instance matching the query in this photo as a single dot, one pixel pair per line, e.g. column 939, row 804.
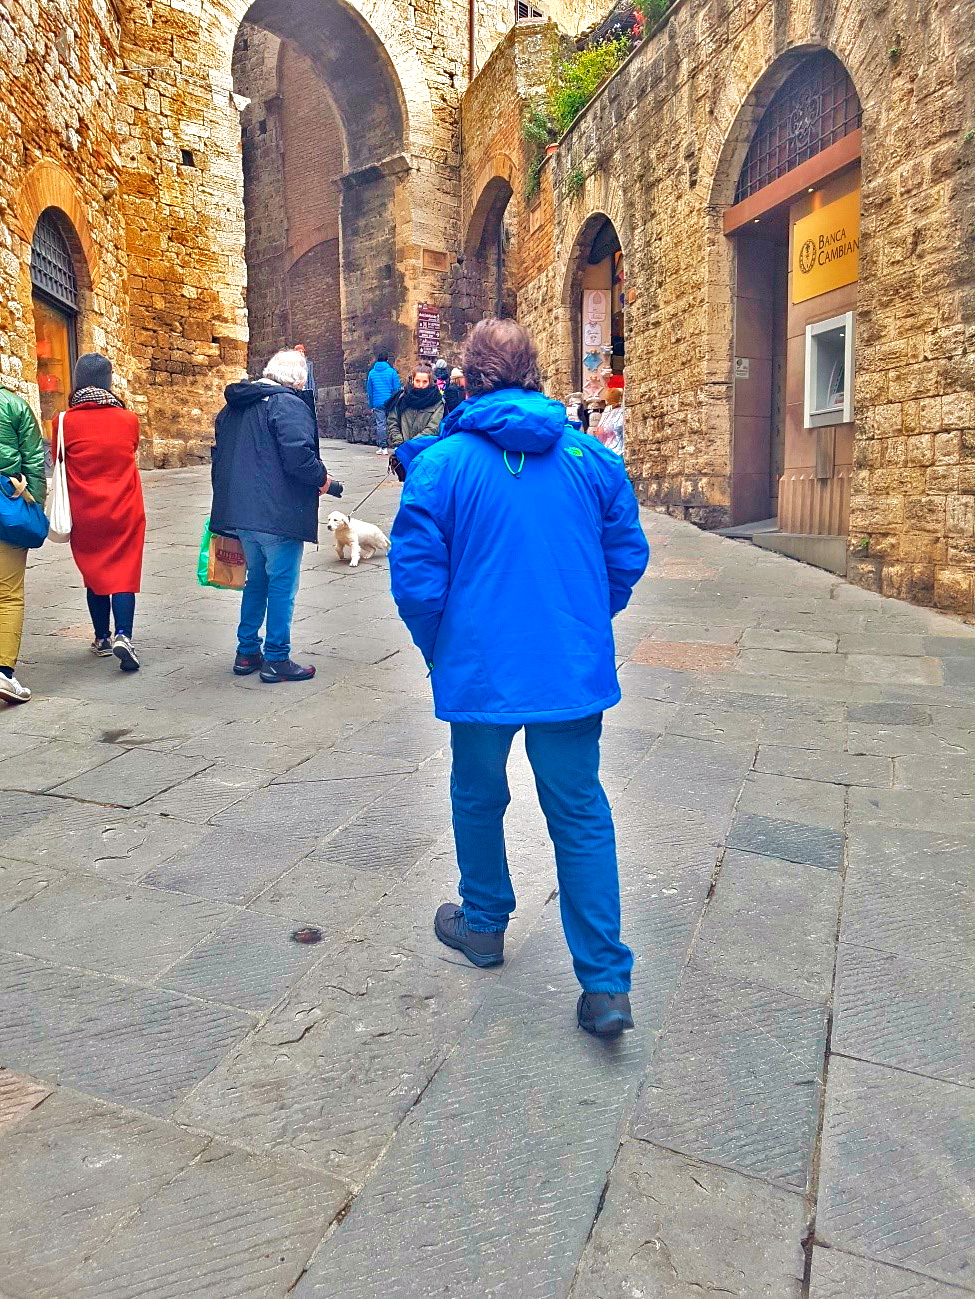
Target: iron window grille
column 51, row 265
column 816, row 106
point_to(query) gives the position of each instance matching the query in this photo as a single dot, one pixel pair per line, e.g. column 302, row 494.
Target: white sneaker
column 381, row 451
column 12, row 690
column 124, row 651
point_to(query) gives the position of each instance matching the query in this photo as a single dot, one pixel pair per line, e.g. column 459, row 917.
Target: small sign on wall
column 826, row 248
column 741, row 367
column 427, row 332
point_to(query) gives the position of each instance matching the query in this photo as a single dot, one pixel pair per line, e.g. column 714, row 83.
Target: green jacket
column 21, row 444
column 403, row 424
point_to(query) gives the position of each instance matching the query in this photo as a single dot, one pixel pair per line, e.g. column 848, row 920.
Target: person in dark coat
column 267, row 477
column 416, row 410
column 517, row 541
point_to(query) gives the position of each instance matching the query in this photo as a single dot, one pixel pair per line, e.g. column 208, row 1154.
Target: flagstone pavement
column 193, row 1104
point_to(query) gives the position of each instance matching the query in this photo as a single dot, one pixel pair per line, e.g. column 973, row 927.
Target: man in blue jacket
column 516, row 541
column 381, row 382
column 267, row 477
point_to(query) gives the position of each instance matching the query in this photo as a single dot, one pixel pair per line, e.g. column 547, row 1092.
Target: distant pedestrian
column 382, row 383
column 456, row 390
column 21, row 456
column 611, row 429
column 516, row 542
column 416, row 411
column 441, row 374
column 267, row 477
column 108, row 528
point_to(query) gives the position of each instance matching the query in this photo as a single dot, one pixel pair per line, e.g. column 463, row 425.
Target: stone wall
column 659, row 151
column 58, row 100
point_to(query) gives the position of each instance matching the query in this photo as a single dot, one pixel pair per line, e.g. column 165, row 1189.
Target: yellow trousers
column 13, row 565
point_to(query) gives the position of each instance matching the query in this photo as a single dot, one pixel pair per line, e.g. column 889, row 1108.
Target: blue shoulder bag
column 23, row 523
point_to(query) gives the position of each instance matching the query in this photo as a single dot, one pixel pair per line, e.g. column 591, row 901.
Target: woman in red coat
column 108, row 517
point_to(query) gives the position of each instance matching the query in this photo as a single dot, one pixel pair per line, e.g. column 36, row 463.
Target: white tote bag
column 59, row 507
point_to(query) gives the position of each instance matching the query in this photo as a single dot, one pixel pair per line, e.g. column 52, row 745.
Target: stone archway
column 490, row 246
column 596, row 254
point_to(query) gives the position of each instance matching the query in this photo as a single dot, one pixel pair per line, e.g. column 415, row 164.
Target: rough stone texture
column 659, row 151
column 674, row 1226
column 838, row 1276
column 911, row 1141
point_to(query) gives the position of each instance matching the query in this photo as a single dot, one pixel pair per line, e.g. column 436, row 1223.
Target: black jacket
column 266, row 469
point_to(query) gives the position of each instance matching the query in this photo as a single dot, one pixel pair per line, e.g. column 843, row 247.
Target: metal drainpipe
column 470, row 41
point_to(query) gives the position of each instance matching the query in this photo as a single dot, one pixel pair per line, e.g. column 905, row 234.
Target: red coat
column 108, row 517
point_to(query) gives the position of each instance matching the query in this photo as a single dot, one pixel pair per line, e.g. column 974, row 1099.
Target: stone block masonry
column 659, row 150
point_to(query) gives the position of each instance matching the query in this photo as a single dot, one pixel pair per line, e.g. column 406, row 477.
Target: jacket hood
column 246, row 391
column 514, row 418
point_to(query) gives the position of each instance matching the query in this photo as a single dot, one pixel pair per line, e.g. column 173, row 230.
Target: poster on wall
column 826, row 248
column 594, row 306
column 427, row 332
column 592, row 336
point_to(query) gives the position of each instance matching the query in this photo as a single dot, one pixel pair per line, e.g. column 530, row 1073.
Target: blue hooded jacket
column 381, row 382
column 516, row 541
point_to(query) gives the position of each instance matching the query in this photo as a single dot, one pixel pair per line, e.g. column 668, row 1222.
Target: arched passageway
column 324, row 134
column 593, row 296
column 792, row 182
column 489, row 253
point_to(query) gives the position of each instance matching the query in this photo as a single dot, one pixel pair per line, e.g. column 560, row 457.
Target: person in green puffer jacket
column 21, row 455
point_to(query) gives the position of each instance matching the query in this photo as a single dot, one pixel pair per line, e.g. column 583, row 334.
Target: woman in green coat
column 21, row 456
column 416, row 410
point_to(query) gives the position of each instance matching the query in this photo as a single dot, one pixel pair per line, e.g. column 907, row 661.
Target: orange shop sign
column 826, row 248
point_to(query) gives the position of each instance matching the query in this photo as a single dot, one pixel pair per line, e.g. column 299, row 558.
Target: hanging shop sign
column 826, row 248
column 427, row 332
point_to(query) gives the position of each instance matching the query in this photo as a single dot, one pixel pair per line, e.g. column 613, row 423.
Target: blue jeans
column 382, row 436
column 565, row 759
column 273, row 566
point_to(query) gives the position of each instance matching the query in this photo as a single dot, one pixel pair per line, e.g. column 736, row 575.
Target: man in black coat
column 267, row 477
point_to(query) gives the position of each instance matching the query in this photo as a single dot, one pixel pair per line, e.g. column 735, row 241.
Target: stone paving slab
column 898, row 1165
column 228, row 865
column 299, row 811
column 118, row 844
column 774, row 923
column 151, row 1046
column 791, row 798
column 675, row 1227
column 250, row 962
column 735, row 1079
column 130, row 778
column 824, row 765
column 939, row 926
column 18, row 1096
column 912, row 1014
column 807, row 845
column 74, row 1170
column 97, row 925
column 244, row 1227
column 836, row 1275
column 940, row 856
column 435, row 1213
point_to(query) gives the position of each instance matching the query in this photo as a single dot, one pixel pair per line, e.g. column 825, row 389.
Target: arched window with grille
column 56, row 301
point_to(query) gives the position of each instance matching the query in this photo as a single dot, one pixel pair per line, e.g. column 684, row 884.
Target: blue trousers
column 565, row 759
column 382, row 434
column 273, row 566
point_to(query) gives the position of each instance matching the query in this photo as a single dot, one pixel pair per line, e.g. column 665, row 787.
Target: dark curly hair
column 500, row 354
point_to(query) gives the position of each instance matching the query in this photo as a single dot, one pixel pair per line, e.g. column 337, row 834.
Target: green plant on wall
column 576, row 77
column 537, row 133
column 574, row 182
column 651, row 11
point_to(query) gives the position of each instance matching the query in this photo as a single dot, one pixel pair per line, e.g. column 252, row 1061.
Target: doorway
column 55, row 306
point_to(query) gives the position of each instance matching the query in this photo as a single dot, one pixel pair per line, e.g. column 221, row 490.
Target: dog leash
column 365, row 498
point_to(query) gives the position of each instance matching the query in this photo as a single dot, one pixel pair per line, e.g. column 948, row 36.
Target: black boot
column 481, row 950
column 607, row 1014
column 245, row 664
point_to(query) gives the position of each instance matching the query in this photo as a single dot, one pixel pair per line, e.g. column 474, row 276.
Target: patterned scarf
column 94, row 397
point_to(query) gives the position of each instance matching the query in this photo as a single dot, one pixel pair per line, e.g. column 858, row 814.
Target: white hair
column 288, row 368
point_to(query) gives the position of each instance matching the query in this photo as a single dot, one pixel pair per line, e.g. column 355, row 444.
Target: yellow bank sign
column 826, row 248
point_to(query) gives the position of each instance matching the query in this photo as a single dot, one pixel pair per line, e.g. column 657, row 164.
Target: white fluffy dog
column 355, row 540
